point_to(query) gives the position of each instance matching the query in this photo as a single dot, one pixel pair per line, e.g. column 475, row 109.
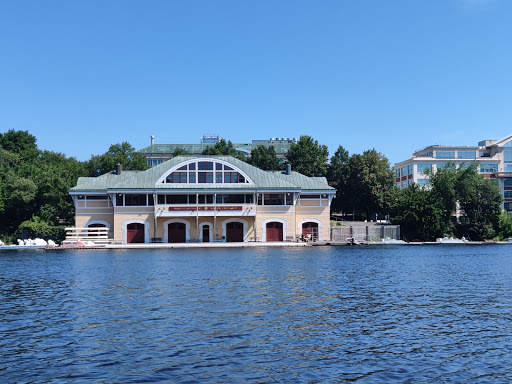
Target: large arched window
column 205, row 171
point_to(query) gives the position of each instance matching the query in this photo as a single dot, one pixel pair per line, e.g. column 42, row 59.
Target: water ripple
column 315, row 315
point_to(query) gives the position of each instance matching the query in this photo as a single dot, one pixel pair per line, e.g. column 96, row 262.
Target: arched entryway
column 310, row 230
column 235, row 231
column 274, row 231
column 135, row 233
column 177, row 233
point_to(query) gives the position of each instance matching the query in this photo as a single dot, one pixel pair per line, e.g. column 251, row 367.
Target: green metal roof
column 137, row 180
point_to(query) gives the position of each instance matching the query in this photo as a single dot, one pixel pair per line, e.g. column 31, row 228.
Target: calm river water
column 305, row 315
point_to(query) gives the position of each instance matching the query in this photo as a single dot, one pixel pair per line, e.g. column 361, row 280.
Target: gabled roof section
column 263, row 180
column 101, row 183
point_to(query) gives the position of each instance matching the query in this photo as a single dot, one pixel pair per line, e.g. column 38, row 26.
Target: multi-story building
column 494, row 158
column 204, row 199
column 158, row 153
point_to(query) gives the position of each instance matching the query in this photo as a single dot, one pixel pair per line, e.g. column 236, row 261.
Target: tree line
column 34, row 185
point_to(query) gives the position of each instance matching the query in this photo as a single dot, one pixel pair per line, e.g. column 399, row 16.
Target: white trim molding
column 273, row 219
column 244, row 222
column 166, row 229
column 135, row 221
column 299, row 225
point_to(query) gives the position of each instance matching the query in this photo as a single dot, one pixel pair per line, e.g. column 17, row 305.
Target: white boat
column 388, row 240
column 451, row 240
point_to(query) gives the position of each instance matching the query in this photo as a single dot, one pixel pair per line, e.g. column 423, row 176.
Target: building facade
column 204, row 199
column 494, row 159
column 158, row 153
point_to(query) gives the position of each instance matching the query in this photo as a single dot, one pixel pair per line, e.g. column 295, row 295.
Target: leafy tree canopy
column 123, row 154
column 264, row 158
column 308, row 157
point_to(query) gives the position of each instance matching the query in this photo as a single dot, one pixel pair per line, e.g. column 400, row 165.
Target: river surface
column 392, row 314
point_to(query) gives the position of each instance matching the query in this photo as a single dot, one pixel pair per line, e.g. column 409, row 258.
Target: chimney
column 152, row 139
column 119, row 169
column 288, row 169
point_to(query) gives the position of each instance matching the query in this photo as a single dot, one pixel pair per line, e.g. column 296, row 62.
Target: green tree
column 123, row 154
column 418, row 213
column 264, row 158
column 504, row 225
column 21, row 143
column 180, row 152
column 308, row 157
column 223, row 148
column 338, row 174
column 369, row 185
column 477, row 198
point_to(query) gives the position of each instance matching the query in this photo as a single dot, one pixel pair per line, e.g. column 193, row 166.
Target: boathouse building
column 204, row 199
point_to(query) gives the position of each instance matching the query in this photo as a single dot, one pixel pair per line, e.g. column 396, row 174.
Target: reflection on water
column 306, row 315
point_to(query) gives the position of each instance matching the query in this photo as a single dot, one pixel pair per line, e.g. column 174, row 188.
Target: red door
column 274, row 231
column 235, row 232
column 206, row 234
column 135, row 233
column 177, row 233
column 310, row 229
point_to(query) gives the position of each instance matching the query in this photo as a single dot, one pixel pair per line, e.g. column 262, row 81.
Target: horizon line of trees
column 34, row 185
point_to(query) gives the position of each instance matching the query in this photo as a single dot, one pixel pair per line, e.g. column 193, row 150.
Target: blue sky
column 392, row 75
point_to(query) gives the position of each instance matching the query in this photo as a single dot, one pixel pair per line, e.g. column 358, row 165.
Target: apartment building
column 493, row 156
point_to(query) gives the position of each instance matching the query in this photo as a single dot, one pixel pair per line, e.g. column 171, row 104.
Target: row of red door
column 177, row 232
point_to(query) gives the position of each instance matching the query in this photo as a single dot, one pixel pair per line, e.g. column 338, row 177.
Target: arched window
column 205, row 171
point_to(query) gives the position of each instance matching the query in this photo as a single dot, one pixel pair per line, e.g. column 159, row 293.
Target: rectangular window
column 119, row 200
column 191, row 199
column 192, row 167
column 176, row 199
column 151, row 200
column 397, row 173
column 192, row 177
column 289, row 199
column 205, row 199
column 160, row 199
column 466, row 154
column 234, row 199
column 507, row 194
column 404, row 184
column 421, row 167
column 404, row 171
column 218, row 199
column 445, row 155
column 260, row 199
column 423, row 182
column 205, row 166
column 205, row 177
column 218, row 166
column 135, row 200
column 488, row 168
column 218, row 176
column 507, row 182
column 274, row 199
column 249, row 198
